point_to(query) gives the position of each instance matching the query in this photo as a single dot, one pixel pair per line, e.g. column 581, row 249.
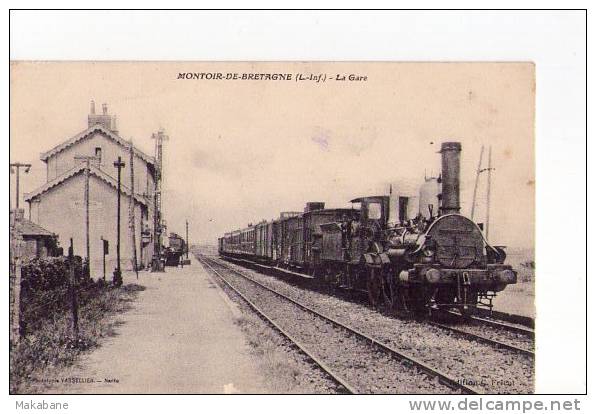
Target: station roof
column 87, row 133
column 79, row 169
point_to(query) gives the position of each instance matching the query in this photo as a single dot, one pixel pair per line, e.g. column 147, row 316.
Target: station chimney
column 104, row 119
column 450, row 160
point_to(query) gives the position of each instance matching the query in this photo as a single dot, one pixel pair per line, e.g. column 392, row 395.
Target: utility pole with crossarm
column 87, row 159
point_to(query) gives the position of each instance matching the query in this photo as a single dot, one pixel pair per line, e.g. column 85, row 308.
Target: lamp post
column 118, row 273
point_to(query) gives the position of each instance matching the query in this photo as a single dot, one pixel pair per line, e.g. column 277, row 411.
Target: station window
column 98, row 154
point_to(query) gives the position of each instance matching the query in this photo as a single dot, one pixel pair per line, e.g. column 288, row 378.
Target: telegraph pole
column 118, row 273
column 131, row 211
column 74, row 303
column 86, row 159
column 478, row 171
column 488, row 191
column 16, row 267
column 156, row 265
column 17, row 166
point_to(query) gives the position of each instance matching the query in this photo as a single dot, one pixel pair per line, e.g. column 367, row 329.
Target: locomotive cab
column 367, row 233
column 374, row 214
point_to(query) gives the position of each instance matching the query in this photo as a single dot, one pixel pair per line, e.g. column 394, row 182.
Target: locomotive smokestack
column 450, row 177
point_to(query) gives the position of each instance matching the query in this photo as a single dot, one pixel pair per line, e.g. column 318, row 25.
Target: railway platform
column 178, row 338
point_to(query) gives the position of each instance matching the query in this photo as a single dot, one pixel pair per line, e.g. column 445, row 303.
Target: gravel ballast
column 478, row 365
column 362, row 365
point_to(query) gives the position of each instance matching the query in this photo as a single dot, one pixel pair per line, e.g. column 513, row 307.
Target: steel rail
column 321, row 365
column 483, row 339
column 441, row 376
column 469, row 335
column 504, row 325
column 272, row 268
column 522, row 320
column 498, row 324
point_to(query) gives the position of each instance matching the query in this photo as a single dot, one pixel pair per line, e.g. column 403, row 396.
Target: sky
column 244, row 150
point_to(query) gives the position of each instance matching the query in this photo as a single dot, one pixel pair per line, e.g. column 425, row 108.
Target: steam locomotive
column 433, row 261
column 176, row 248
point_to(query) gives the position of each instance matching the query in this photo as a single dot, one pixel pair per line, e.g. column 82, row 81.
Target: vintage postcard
column 272, row 227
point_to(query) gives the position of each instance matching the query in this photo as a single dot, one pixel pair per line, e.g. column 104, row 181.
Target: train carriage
column 295, row 252
column 264, row 241
column 270, row 240
column 287, row 222
column 278, row 241
column 235, row 242
column 248, row 246
column 261, row 245
column 221, row 245
column 314, row 219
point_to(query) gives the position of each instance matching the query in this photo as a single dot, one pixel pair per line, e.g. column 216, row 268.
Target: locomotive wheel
column 374, row 286
column 328, row 275
column 332, row 277
column 391, row 291
column 403, row 302
column 411, row 300
column 351, row 276
column 402, row 299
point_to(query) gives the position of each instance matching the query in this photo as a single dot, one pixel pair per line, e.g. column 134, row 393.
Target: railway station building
column 59, row 204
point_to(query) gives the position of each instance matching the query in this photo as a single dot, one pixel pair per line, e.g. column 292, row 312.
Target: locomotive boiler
column 438, row 259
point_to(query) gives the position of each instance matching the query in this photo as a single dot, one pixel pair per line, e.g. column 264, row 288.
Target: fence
column 39, row 288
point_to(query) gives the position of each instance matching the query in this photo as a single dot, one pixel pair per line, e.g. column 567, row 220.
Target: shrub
column 51, row 347
column 45, row 286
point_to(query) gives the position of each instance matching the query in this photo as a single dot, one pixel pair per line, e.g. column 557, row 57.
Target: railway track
column 500, row 320
column 516, row 343
column 507, row 326
column 354, row 360
column 343, row 385
column 521, row 320
column 512, row 350
column 484, row 339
